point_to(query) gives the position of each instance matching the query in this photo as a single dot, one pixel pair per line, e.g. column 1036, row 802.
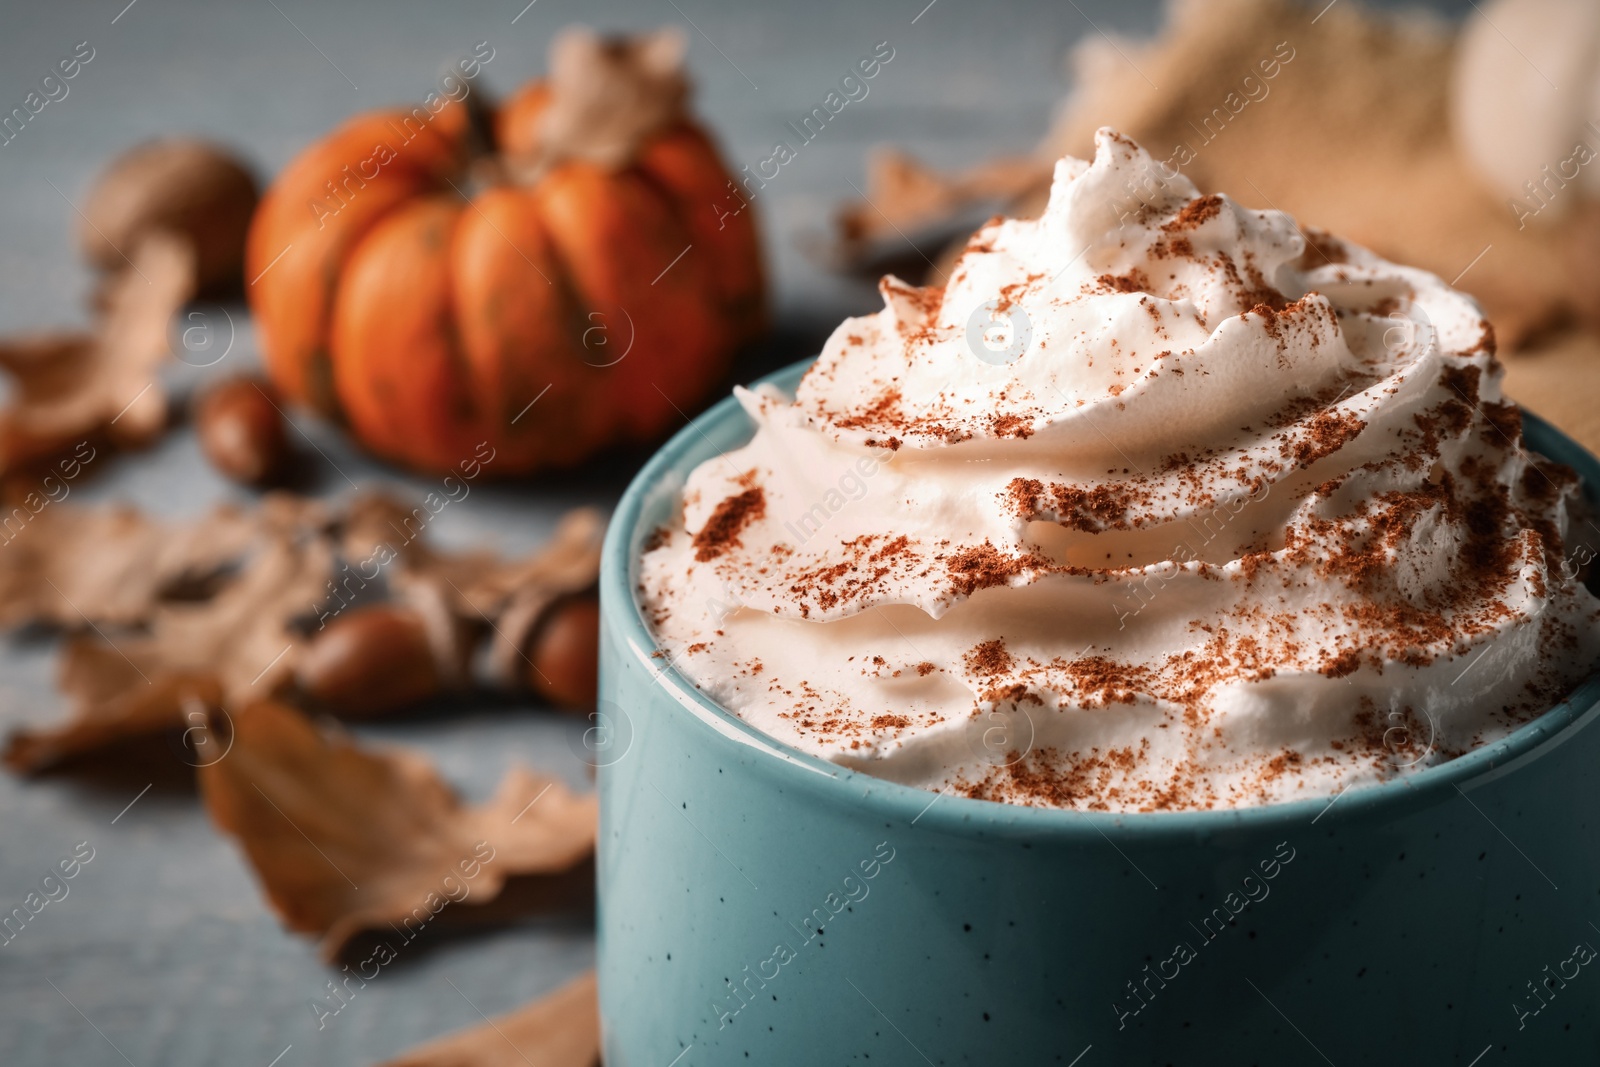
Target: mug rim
column 957, row 814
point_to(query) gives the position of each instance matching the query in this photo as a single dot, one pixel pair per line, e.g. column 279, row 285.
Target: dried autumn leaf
column 73, row 388
column 116, row 705
column 608, row 95
column 905, row 196
column 108, row 567
column 69, row 566
column 381, row 527
column 216, row 653
column 558, row 1030
column 242, row 635
column 346, row 840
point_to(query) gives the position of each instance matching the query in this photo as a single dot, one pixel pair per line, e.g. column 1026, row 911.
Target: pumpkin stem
column 477, row 110
column 480, row 124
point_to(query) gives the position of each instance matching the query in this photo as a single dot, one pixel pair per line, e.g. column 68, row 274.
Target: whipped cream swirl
column 1159, row 502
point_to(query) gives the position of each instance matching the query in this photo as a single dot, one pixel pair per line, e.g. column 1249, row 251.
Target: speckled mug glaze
column 1409, row 921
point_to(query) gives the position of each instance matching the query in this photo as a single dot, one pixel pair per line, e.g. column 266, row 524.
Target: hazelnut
column 564, row 655
column 187, row 187
column 370, row 660
column 241, row 431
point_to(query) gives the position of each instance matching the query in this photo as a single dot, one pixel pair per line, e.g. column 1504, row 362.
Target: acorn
column 370, row 660
column 241, row 431
column 564, row 652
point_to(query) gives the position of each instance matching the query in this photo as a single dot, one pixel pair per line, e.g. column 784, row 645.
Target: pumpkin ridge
column 294, row 299
column 736, row 273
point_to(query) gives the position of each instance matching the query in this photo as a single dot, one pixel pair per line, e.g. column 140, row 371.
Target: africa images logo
column 998, row 333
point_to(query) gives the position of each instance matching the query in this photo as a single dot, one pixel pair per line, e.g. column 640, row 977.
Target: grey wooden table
column 164, row 952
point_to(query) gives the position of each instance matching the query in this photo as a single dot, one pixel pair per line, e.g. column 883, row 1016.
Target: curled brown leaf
column 73, row 388
column 74, row 567
column 904, row 196
column 114, row 706
column 346, row 840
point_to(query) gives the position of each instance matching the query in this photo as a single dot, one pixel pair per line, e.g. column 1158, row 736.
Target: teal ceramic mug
column 759, row 905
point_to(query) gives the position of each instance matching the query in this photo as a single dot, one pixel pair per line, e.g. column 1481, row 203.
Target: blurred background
column 164, row 950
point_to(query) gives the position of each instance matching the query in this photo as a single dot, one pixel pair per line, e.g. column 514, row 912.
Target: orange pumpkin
column 428, row 275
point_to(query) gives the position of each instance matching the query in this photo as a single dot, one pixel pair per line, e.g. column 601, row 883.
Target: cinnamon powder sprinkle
column 1195, row 213
column 984, row 565
column 1011, row 426
column 1327, row 433
column 989, row 658
column 1135, row 281
column 727, row 521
